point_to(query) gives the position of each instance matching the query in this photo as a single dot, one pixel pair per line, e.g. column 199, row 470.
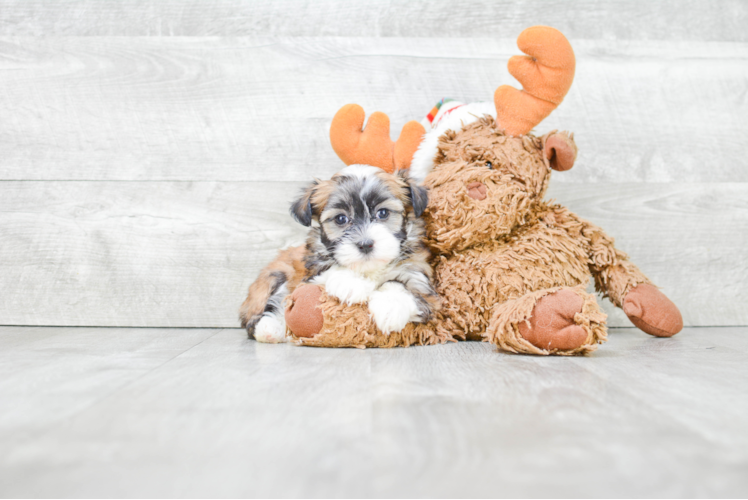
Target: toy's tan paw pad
column 303, row 317
column 551, row 325
column 651, row 311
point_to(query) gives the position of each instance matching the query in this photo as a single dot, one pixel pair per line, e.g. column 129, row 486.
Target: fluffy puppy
column 364, row 245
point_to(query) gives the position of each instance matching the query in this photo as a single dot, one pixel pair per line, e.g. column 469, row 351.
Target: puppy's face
column 364, row 215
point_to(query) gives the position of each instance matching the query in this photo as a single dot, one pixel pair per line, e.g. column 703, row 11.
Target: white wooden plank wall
column 149, row 150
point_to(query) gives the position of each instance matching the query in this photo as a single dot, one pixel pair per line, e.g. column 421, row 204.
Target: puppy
column 364, row 245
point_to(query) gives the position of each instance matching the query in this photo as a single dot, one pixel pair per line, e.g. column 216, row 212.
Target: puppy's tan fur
column 290, row 263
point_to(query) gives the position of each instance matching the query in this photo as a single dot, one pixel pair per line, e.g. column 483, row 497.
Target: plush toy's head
column 484, row 183
column 484, row 169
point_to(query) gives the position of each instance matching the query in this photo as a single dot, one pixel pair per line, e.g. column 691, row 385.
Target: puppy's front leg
column 346, row 285
column 393, row 307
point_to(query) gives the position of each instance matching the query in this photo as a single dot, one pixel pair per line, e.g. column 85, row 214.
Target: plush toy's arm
column 628, row 288
column 620, row 280
column 614, row 274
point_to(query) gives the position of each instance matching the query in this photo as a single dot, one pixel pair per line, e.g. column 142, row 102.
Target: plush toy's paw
column 270, row 329
column 346, row 286
column 392, row 307
column 651, row 311
column 551, row 325
column 303, row 317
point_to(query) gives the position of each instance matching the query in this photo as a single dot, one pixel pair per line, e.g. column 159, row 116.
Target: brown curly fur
column 495, row 258
column 350, row 326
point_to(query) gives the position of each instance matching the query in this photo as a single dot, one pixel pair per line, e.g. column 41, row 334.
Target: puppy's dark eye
column 489, row 165
column 383, row 213
column 341, row 220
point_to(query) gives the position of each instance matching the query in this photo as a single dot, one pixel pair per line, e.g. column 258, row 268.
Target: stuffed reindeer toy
column 509, row 267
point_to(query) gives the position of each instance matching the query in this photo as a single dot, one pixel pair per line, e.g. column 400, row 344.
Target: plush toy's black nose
column 365, row 246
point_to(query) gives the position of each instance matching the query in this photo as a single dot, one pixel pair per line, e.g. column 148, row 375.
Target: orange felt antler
column 546, row 73
column 373, row 146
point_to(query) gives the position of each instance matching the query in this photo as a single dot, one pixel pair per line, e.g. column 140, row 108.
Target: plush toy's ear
column 560, row 149
column 301, row 209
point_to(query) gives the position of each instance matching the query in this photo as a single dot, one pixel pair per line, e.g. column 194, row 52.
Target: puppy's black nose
column 366, row 246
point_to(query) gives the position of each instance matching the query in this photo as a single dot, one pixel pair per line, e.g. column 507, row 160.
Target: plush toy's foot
column 557, row 321
column 552, row 326
column 651, row 311
column 303, row 317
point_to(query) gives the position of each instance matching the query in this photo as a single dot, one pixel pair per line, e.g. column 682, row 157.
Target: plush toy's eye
column 341, row 219
column 383, row 213
column 489, row 165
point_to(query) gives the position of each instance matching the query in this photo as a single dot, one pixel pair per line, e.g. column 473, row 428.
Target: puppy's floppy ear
column 418, row 195
column 419, row 198
column 301, row 209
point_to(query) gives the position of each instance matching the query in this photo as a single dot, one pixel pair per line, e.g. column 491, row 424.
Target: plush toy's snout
column 477, row 190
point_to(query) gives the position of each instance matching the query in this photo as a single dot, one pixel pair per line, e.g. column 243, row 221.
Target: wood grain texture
column 137, row 254
column 722, row 20
column 259, row 109
column 184, row 253
column 144, row 179
column 213, row 414
column 689, row 239
column 48, row 375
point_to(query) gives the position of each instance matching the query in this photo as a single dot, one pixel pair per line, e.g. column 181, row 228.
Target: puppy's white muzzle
column 373, row 250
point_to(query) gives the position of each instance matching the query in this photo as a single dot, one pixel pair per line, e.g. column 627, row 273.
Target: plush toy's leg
column 317, row 319
column 628, row 288
column 559, row 321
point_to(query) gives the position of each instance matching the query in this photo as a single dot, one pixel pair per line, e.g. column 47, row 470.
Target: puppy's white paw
column 348, row 286
column 270, row 330
column 392, row 307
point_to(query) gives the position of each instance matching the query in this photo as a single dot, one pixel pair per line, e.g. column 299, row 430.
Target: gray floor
column 205, row 412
